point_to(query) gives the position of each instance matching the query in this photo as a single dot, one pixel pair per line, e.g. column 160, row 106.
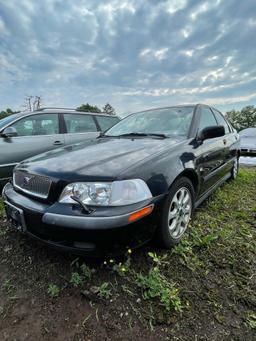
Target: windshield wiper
column 138, row 134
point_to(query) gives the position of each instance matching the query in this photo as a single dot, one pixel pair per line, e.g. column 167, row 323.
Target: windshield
column 7, row 120
column 168, row 121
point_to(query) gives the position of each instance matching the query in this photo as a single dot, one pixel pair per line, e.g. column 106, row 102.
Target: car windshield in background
column 7, row 120
column 165, row 122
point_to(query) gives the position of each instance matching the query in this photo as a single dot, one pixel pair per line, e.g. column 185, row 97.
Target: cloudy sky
column 134, row 54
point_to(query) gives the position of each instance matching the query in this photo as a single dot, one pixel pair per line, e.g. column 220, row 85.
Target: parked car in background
column 141, row 179
column 29, row 133
column 248, row 141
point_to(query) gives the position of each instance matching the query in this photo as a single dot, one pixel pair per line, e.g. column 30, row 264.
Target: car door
column 210, row 152
column 36, row 134
column 79, row 127
column 229, row 140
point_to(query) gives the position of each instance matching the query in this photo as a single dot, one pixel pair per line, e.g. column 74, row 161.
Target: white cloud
column 175, row 5
column 156, row 54
column 131, row 53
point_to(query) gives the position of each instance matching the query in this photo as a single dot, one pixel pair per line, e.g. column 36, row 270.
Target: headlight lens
column 117, row 193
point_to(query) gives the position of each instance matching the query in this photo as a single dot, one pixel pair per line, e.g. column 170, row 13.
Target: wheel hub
column 180, row 212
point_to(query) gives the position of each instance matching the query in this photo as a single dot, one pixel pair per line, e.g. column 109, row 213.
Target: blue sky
column 133, row 54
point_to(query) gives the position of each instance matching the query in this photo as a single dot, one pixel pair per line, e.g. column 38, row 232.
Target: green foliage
column 108, row 109
column 155, row 285
column 157, row 259
column 86, row 271
column 245, row 118
column 76, row 279
column 88, row 108
column 8, row 286
column 6, row 113
column 53, row 290
column 1, row 208
column 122, row 268
column 251, row 320
column 104, row 291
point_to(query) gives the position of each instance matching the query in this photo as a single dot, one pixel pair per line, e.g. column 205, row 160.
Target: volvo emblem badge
column 26, row 181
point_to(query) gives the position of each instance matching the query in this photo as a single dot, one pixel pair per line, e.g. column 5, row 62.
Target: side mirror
column 211, row 132
column 9, row 132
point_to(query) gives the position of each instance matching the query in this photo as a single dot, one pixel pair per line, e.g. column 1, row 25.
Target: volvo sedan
column 138, row 181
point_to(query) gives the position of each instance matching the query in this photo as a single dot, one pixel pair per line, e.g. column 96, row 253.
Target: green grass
column 156, row 285
column 1, row 208
column 53, row 290
column 207, row 278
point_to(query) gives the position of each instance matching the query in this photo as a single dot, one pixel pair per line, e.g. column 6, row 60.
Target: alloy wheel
column 179, row 212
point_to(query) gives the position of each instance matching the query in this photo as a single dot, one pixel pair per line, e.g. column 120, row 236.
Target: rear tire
column 177, row 211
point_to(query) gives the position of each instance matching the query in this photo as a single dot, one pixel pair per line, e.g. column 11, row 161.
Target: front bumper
column 106, row 231
column 248, row 151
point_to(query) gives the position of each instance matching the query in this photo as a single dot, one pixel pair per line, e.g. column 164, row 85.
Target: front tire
column 177, row 211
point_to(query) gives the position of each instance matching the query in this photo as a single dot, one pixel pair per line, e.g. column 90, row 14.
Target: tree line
column 244, row 118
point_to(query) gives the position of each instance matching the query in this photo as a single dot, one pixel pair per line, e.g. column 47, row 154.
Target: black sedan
column 139, row 180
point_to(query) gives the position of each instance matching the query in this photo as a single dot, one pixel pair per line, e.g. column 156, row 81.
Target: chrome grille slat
column 33, row 184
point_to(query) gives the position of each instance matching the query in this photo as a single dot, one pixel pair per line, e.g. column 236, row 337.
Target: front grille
column 33, row 184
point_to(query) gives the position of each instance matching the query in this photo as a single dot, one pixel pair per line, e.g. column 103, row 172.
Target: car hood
column 103, row 158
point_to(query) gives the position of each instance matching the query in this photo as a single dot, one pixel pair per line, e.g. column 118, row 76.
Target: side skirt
column 212, row 189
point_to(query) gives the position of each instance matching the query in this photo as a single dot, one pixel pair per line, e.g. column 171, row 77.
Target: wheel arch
column 192, row 176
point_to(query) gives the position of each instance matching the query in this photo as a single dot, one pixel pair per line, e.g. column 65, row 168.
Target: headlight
column 117, row 193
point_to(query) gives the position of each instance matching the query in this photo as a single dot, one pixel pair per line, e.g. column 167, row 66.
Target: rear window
column 106, row 122
column 79, row 123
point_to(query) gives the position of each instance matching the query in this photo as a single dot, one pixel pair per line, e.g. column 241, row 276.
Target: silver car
column 27, row 134
column 248, row 141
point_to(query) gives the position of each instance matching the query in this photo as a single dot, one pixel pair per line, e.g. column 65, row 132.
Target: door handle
column 57, row 143
column 225, row 141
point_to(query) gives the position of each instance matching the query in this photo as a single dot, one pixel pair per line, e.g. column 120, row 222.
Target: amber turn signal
column 141, row 213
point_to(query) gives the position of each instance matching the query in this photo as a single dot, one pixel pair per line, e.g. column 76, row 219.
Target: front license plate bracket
column 15, row 216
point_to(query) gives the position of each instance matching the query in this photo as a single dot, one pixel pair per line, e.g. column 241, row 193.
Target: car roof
column 62, row 111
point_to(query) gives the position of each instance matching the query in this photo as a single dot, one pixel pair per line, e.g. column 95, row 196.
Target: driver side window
column 207, row 119
column 35, row 125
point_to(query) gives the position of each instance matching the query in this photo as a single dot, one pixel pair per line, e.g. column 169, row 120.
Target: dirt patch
column 203, row 289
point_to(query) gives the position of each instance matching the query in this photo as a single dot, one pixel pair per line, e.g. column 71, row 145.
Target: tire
column 235, row 169
column 175, row 215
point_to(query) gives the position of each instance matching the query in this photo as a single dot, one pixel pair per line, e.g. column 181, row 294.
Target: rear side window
column 79, row 123
column 106, row 122
column 46, row 124
column 221, row 121
column 207, row 119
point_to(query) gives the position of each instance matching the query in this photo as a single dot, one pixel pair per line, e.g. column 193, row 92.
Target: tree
column 108, row 109
column 6, row 113
column 245, row 118
column 88, row 108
